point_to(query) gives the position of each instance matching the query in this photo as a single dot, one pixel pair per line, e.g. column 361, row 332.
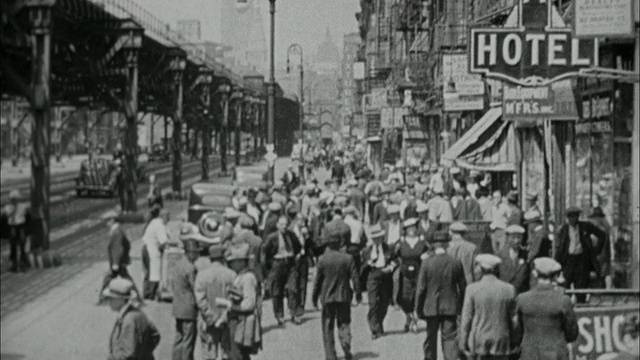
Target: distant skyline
column 297, row 21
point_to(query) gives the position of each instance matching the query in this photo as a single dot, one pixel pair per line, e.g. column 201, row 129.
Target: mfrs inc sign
column 534, row 47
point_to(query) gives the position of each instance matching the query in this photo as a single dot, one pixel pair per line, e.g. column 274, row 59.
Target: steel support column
column 177, row 66
column 256, row 130
column 205, row 129
column 224, row 134
column 238, row 132
column 271, row 90
column 40, row 21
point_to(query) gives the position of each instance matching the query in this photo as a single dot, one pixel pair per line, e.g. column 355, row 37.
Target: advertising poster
column 462, row 91
column 527, row 103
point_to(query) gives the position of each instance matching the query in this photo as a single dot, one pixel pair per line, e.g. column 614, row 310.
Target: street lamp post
column 224, row 91
column 177, row 66
column 298, row 48
column 271, row 111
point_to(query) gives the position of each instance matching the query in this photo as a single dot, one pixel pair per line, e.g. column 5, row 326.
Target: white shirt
column 377, row 256
column 16, row 215
column 253, row 212
column 356, row 228
column 412, row 241
column 575, row 246
column 393, row 232
column 155, row 236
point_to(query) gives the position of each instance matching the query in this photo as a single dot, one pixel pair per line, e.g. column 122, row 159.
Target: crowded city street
column 335, row 179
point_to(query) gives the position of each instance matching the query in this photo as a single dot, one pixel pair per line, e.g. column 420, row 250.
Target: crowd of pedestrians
column 405, row 237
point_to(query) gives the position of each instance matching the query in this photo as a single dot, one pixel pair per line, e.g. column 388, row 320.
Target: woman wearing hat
column 244, row 318
column 410, row 251
column 134, row 336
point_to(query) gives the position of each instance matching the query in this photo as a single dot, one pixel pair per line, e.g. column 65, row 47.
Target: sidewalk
column 10, row 174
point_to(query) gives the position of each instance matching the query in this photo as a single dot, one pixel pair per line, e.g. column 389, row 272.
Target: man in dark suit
column 486, row 326
column 334, row 271
column 378, row 270
column 439, row 295
column 274, row 210
column 514, row 268
column 380, row 214
column 576, row 252
column 545, row 316
column 338, row 225
column 280, row 251
column 185, row 309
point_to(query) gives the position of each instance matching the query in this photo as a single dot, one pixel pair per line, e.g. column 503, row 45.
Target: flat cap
column 573, row 210
column 119, row 288
column 216, row 251
column 275, row 206
column 243, row 201
column 488, row 261
column 297, row 192
column 597, row 212
column 454, row 170
column 512, row 195
column 546, row 266
column 231, row 213
column 458, row 227
column 514, row 229
column 353, row 182
column 410, row 222
column 350, row 210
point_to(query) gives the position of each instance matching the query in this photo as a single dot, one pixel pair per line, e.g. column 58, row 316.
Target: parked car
column 253, row 176
column 159, row 153
column 100, row 176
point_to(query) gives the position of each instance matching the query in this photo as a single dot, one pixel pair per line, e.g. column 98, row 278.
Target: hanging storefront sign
column 610, row 18
column 525, row 103
column 374, row 101
column 597, row 108
column 391, row 117
column 462, row 91
column 373, row 124
column 536, row 49
column 603, row 333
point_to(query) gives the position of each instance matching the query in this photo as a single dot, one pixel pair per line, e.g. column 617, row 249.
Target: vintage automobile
column 100, row 176
column 159, row 153
column 253, row 176
column 204, row 222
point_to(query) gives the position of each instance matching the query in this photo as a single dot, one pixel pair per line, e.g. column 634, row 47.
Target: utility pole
column 635, row 192
column 271, row 112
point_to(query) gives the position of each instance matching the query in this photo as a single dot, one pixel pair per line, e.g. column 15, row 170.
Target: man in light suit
column 185, row 310
column 439, row 295
column 545, row 316
column 211, row 284
column 486, row 326
column 463, row 250
column 331, row 287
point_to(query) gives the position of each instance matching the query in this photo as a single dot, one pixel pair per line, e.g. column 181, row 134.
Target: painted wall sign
column 603, row 18
column 586, row 127
column 525, row 103
column 536, row 49
column 602, row 334
column 462, row 91
column 597, row 108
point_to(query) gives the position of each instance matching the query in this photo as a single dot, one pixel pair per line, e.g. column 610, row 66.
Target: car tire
column 79, row 193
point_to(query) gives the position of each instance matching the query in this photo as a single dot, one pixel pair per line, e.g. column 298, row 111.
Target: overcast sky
column 301, row 21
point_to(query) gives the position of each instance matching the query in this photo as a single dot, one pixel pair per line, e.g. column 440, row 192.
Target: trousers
column 379, row 289
column 17, row 240
column 332, row 314
column 448, row 326
column 302, row 276
column 237, row 351
column 576, row 271
column 283, row 284
column 185, row 340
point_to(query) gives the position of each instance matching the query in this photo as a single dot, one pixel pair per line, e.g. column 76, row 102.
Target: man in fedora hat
column 357, row 238
column 486, row 327
column 380, row 214
column 515, row 267
column 463, row 250
column 273, row 213
column 118, row 253
column 16, row 214
column 439, row 295
column 331, row 287
column 377, row 271
column 133, row 336
column 184, row 306
column 545, row 316
column 539, row 244
column 244, row 316
column 514, row 216
column 576, row 251
column 211, row 285
column 598, row 219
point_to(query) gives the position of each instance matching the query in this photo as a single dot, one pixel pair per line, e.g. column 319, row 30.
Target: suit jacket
column 119, row 247
column 586, row 229
column 389, row 258
column 133, row 337
column 255, row 243
column 486, row 325
column 440, row 287
column 428, row 232
column 211, row 283
column 547, row 322
column 514, row 271
column 182, row 285
column 270, row 225
column 270, row 247
column 357, row 198
column 515, row 215
column 333, row 272
column 466, row 252
column 539, row 244
column 380, row 213
column 339, row 225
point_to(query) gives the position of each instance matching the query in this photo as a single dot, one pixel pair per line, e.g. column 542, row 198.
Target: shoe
column 348, row 356
column 280, row 322
column 407, row 328
column 375, row 336
column 296, row 320
column 13, row 268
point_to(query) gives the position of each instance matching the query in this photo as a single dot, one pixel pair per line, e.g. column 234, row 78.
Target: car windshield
column 215, row 200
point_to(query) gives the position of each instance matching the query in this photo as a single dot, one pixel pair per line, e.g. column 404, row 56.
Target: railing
column 129, row 9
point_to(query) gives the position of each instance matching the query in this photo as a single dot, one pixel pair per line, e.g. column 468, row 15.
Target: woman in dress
column 410, row 250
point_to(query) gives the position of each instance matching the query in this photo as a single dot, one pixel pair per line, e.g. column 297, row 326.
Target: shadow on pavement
column 4, row 356
column 365, row 355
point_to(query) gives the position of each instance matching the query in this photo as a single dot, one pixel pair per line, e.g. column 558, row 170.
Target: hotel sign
column 534, row 50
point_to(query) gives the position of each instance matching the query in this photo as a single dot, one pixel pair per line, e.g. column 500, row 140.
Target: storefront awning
column 414, row 135
column 490, row 145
